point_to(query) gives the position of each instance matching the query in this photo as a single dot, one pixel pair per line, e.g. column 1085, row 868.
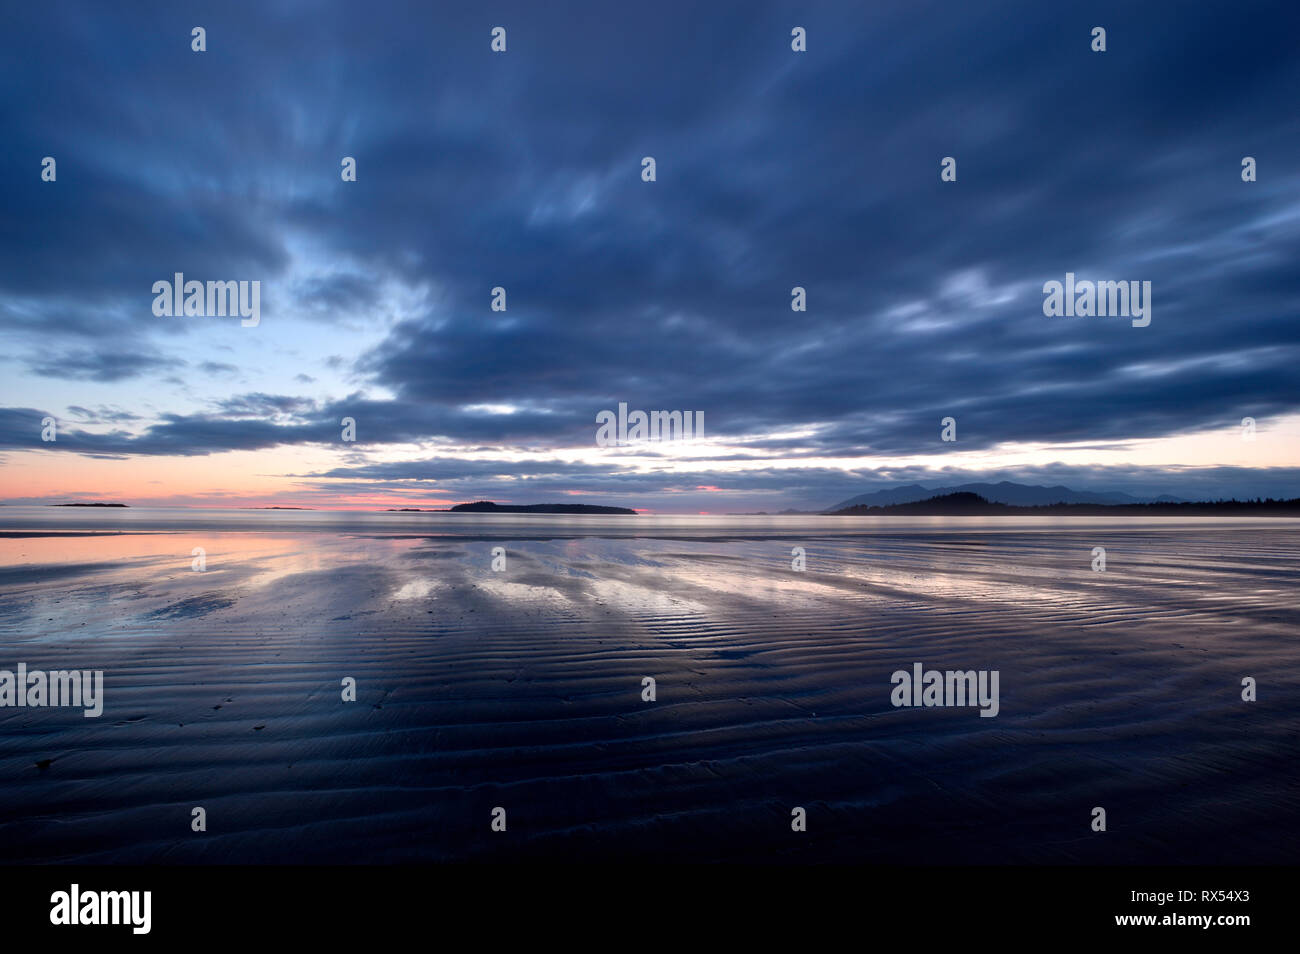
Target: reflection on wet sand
column 523, row 688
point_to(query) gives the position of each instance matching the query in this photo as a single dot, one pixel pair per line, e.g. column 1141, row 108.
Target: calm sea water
column 523, row 688
column 177, row 518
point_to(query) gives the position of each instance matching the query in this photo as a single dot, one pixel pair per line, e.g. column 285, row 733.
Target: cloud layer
column 774, row 169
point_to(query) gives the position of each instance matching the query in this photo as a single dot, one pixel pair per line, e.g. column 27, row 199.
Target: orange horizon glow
column 287, row 476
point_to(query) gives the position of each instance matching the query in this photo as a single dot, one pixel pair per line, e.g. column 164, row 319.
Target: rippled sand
column 522, row 689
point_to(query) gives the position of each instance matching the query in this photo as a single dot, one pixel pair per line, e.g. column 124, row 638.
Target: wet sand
column 522, row 689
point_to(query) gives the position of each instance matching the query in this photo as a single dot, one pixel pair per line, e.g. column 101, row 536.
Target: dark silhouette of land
column 487, row 506
column 965, row 503
column 89, row 505
column 1005, row 492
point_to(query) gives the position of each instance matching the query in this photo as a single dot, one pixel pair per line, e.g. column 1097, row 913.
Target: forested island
column 487, row 506
column 960, row 504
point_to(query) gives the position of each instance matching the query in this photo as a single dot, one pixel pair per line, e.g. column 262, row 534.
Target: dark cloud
column 102, row 365
column 775, row 169
column 103, row 414
column 772, row 489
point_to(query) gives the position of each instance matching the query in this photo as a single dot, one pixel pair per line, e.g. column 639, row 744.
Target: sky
column 523, row 170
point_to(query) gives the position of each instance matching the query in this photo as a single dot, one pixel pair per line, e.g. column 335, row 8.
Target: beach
column 523, row 688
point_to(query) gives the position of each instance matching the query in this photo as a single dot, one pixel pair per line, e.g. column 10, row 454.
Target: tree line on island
column 487, row 506
column 965, row 503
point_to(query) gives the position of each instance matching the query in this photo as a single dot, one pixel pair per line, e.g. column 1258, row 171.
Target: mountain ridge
column 964, row 503
column 1003, row 492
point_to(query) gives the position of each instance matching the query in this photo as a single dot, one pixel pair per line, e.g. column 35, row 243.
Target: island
column 89, row 505
column 970, row 504
column 487, row 506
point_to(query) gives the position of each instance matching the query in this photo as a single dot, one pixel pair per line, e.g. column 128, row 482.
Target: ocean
column 501, row 710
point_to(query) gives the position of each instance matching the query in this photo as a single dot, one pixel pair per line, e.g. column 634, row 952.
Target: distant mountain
column 487, row 506
column 970, row 504
column 960, row 502
column 1006, row 492
column 885, row 498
